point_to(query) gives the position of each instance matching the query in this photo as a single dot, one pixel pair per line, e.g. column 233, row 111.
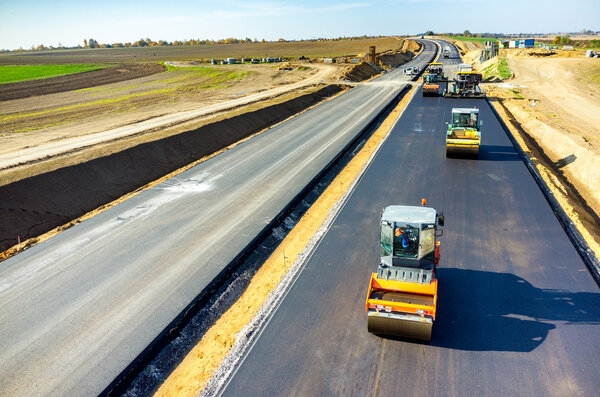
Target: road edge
column 585, row 252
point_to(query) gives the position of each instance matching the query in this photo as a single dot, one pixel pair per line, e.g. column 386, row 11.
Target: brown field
column 296, row 49
column 77, row 81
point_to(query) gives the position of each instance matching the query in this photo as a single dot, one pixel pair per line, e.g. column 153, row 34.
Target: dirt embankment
column 78, row 81
column 35, row 205
column 387, row 60
column 395, row 58
column 359, row 72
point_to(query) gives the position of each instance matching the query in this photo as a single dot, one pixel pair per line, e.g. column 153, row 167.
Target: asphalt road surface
column 76, row 309
column 518, row 312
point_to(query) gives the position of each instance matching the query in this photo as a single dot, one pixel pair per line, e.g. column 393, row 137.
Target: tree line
column 148, row 42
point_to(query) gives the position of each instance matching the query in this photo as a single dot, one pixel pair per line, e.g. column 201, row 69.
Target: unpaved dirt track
column 76, row 309
column 518, row 312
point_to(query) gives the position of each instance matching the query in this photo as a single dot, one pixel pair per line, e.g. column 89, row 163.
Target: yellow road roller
column 463, row 136
column 402, row 295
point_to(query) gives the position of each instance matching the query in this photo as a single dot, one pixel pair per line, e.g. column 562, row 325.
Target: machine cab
column 408, row 236
column 408, row 241
column 465, row 118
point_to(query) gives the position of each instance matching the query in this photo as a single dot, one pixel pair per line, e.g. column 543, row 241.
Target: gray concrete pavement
column 76, row 309
column 518, row 312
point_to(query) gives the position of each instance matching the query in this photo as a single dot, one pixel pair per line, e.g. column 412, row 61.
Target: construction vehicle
column 464, row 133
column 431, row 87
column 402, row 295
column 437, row 69
column 466, row 85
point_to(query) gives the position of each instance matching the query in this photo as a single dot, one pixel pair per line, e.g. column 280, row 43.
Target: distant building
column 231, row 61
column 527, row 43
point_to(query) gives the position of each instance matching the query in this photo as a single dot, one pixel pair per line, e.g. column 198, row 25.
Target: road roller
column 464, row 133
column 437, row 69
column 402, row 296
column 431, row 87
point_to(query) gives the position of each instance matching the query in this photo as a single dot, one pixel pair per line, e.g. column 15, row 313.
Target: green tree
column 466, row 33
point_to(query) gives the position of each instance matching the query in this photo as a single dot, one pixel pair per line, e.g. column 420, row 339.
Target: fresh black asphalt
column 518, row 312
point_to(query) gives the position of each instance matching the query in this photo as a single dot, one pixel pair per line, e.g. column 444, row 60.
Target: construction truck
column 437, row 69
column 402, row 295
column 431, row 87
column 464, row 133
column 466, row 85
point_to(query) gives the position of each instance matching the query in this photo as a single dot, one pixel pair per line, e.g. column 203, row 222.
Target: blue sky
column 25, row 23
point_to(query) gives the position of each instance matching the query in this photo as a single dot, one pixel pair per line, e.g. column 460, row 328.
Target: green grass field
column 15, row 73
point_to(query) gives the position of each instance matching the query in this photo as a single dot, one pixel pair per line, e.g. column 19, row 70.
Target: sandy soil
column 44, row 126
column 566, row 86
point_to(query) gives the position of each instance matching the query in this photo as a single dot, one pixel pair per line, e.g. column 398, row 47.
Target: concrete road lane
column 76, row 309
column 518, row 312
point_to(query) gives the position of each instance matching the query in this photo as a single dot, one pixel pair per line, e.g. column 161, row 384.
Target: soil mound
column 33, row 206
column 78, row 81
column 394, row 58
column 358, row 72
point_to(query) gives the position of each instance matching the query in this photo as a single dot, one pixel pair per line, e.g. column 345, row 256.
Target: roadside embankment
column 38, row 204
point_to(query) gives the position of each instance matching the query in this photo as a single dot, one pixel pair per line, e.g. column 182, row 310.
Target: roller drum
column 462, row 152
column 400, row 328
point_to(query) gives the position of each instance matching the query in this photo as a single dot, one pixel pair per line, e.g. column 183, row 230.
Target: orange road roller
column 402, row 296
